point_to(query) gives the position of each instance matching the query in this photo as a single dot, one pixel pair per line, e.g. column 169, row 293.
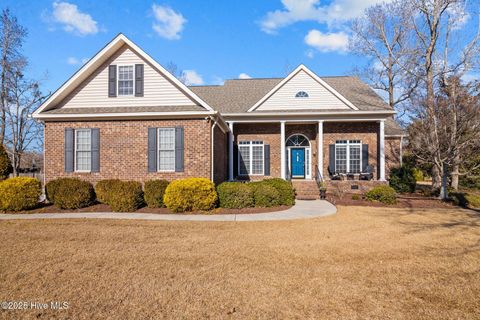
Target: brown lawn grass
column 363, row 263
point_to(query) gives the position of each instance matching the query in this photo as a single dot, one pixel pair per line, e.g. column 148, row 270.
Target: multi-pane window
column 250, row 158
column 301, row 94
column 166, row 149
column 348, row 156
column 83, row 150
column 125, row 80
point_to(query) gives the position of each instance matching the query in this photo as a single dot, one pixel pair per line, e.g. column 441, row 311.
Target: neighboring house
column 122, row 115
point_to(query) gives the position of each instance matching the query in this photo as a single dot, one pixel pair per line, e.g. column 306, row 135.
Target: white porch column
column 320, row 148
column 382, row 150
column 282, row 150
column 230, row 151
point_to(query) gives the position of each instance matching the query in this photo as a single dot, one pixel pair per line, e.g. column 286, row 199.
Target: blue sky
column 214, row 40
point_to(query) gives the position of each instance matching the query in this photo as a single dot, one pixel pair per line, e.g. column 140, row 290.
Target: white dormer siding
column 158, row 90
column 319, row 97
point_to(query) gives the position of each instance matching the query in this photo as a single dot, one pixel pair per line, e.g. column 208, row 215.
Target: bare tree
column 457, row 127
column 173, row 68
column 12, row 35
column 384, row 34
column 23, row 131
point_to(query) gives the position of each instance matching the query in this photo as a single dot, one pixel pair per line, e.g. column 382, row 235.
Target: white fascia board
column 102, row 56
column 319, row 113
column 314, row 76
column 122, row 115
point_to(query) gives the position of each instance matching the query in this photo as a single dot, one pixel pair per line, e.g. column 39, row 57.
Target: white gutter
column 113, row 115
column 319, row 113
column 212, row 142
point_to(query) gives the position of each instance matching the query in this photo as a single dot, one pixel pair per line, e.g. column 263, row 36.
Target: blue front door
column 298, row 162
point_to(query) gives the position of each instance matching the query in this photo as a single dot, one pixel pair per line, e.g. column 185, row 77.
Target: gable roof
column 302, row 69
column 95, row 62
column 239, row 95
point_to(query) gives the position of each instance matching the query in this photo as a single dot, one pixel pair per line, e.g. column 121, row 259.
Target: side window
column 166, row 149
column 83, row 150
column 125, row 80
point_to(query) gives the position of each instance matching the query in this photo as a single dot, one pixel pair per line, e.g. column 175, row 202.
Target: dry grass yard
column 363, row 263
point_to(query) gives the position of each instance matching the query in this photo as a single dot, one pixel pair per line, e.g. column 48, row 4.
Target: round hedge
column 285, row 190
column 125, row 196
column 103, row 189
column 190, row 194
column 70, row 193
column 235, row 195
column 265, row 195
column 20, row 193
column 154, row 191
column 384, row 194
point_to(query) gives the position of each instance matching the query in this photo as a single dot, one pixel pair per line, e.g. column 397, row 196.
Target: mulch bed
column 403, row 201
column 100, row 207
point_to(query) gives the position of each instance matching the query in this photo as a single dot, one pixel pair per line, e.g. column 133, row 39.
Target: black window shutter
column 235, row 160
column 266, row 151
column 139, row 80
column 69, row 149
column 364, row 157
column 112, row 80
column 95, row 152
column 331, row 158
column 152, row 149
column 179, row 149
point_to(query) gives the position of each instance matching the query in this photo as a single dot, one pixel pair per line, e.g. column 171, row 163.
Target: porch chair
column 367, row 174
column 333, row 175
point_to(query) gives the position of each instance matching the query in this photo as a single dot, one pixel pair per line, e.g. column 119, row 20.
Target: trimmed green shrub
column 402, row 179
column 20, row 193
column 125, row 196
column 103, row 189
column 5, row 164
column 418, row 174
column 190, row 194
column 470, row 182
column 154, row 190
column 473, row 200
column 265, row 195
column 284, row 188
column 384, row 194
column 355, row 197
column 235, row 195
column 70, row 193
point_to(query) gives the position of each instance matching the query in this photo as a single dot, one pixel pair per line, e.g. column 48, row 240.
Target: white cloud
column 327, row 42
column 310, row 54
column 72, row 19
column 72, row 60
column 168, row 23
column 312, row 10
column 192, row 78
column 244, row 76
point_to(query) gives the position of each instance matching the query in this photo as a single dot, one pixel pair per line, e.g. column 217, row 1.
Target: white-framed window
column 125, row 80
column 83, row 150
column 251, row 158
column 301, row 94
column 166, row 149
column 348, row 156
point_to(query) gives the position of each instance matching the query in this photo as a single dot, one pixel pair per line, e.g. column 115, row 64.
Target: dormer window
column 301, row 94
column 125, row 80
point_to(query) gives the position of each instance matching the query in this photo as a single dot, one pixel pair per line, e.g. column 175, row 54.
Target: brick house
column 122, row 115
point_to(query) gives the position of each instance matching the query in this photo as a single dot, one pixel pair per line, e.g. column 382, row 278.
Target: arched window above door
column 298, row 140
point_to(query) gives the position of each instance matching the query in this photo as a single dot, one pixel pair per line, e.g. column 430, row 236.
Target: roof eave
column 123, row 116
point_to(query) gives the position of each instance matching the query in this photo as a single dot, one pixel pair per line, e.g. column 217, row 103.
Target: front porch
column 324, row 150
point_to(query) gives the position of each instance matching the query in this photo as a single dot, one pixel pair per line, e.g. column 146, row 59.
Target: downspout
column 212, row 142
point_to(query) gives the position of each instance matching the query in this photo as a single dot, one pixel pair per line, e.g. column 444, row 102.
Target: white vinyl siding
column 166, row 149
column 158, row 91
column 318, row 96
column 251, row 158
column 348, row 156
column 83, row 150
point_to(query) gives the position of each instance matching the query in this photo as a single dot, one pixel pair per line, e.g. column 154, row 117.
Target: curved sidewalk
column 301, row 210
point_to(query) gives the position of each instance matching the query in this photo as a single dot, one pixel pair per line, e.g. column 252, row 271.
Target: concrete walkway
column 301, row 210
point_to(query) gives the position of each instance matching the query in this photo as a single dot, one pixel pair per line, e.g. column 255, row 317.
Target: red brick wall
column 392, row 154
column 220, row 146
column 123, row 149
